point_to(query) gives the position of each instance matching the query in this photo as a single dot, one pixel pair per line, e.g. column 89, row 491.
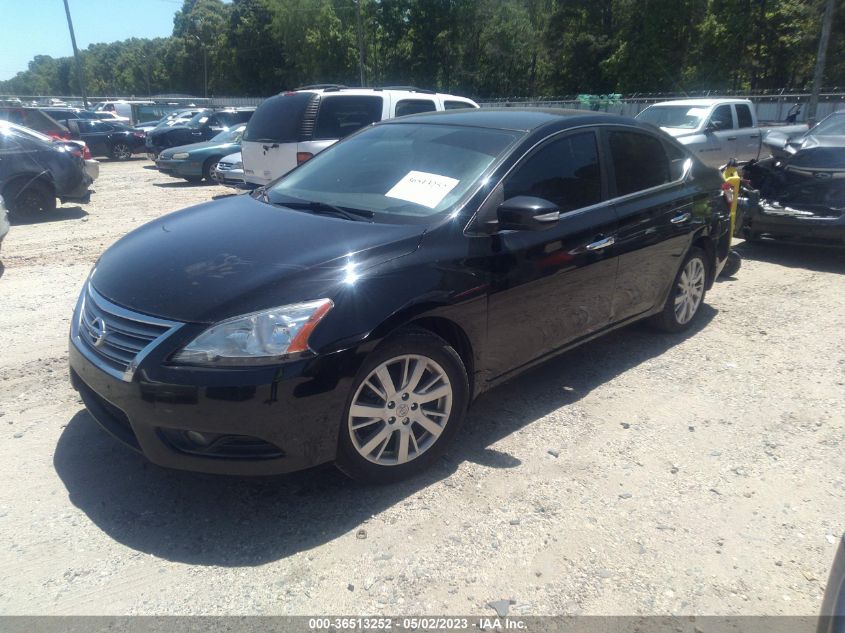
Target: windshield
column 833, row 125
column 232, row 135
column 198, row 119
column 407, row 169
column 680, row 116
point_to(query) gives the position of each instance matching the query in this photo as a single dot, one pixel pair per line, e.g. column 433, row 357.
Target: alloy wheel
column 400, row 410
column 689, row 291
column 121, row 151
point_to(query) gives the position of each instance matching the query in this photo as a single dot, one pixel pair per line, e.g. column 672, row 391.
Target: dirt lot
column 640, row 474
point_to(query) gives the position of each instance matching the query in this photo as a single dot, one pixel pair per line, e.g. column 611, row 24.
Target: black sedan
column 35, row 171
column 351, row 311
column 203, row 126
column 115, row 140
column 801, row 187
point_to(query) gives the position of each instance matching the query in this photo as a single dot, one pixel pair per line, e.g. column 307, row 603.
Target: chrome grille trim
column 114, row 338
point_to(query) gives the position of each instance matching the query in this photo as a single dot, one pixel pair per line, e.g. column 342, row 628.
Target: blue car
column 196, row 162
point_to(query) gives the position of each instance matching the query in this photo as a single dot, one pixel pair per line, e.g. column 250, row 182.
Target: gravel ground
column 640, row 474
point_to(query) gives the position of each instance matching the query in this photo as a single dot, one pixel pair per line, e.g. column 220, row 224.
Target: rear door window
column 639, row 161
column 341, row 115
column 743, row 116
column 278, row 119
column 456, row 105
column 565, row 172
column 414, row 106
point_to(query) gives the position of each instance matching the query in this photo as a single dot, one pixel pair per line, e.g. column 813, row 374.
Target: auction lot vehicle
column 229, row 171
column 801, row 186
column 4, row 221
column 168, row 120
column 203, row 126
column 196, row 162
column 832, row 618
column 114, row 140
column 128, row 109
column 76, row 147
column 34, row 172
column 715, row 130
column 291, row 127
column 34, row 119
column 351, row 311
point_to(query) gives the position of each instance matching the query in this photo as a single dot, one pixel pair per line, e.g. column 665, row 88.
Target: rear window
column 32, row 118
column 456, row 105
column 414, row 106
column 278, row 119
column 743, row 115
column 340, row 116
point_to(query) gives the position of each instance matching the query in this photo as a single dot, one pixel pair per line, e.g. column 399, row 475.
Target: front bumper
column 259, row 421
column 92, row 168
column 179, row 168
column 231, row 178
column 795, row 222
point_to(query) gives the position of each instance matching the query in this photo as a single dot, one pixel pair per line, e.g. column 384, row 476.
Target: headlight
column 261, row 338
column 180, row 156
column 237, row 165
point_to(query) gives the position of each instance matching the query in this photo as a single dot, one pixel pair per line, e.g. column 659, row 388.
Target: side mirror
column 526, row 213
column 710, row 127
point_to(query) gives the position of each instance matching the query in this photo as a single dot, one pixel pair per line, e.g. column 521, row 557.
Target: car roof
column 518, row 119
column 702, row 103
column 401, row 91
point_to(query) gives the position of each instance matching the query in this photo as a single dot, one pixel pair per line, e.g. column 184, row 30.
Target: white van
column 122, row 108
column 291, row 127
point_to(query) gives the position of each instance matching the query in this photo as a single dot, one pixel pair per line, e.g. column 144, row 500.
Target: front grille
column 115, row 336
column 224, row 166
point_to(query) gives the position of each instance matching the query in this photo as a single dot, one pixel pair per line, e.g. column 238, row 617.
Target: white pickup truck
column 716, row 130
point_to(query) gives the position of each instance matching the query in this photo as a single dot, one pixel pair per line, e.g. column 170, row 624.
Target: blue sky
column 39, row 27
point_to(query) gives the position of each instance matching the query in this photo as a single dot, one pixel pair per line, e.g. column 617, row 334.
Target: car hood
column 239, row 255
column 205, row 146
column 678, row 132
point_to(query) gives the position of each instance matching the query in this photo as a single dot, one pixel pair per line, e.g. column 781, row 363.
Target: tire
column 750, row 236
column 28, row 199
column 207, row 166
column 692, row 275
column 733, row 264
column 393, row 443
column 121, row 151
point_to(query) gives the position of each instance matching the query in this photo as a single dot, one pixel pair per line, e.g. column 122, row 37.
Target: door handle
column 731, row 138
column 680, row 219
column 600, row 244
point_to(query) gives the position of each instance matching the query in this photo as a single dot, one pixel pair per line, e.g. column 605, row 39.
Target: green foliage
column 483, row 48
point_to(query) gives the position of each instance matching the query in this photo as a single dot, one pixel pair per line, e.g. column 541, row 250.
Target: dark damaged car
column 801, row 186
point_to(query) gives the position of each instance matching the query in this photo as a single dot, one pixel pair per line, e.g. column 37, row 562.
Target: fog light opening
column 199, row 439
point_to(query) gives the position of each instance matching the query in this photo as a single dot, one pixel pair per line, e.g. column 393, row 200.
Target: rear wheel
column 687, row 294
column 121, row 151
column 27, row 199
column 405, row 406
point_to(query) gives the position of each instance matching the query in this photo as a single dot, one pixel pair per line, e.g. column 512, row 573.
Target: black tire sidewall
column 411, row 341
column 114, row 151
column 42, row 191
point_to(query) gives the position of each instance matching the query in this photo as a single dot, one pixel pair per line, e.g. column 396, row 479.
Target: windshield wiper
column 324, row 208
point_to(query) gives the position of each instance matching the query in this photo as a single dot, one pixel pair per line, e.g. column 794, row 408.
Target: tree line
column 479, row 48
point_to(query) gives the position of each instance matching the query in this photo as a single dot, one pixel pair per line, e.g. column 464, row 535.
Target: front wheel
column 684, row 301
column 405, row 405
column 28, row 199
column 732, row 265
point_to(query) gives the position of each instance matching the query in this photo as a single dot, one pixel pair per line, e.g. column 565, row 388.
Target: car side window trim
column 498, row 190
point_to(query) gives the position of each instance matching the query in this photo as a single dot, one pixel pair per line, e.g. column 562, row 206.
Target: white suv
column 291, row 127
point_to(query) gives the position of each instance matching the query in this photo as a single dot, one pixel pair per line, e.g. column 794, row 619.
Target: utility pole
column 360, row 41
column 79, row 74
column 818, row 75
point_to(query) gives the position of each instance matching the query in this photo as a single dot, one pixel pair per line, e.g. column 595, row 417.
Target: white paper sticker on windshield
column 422, row 188
column 697, row 112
